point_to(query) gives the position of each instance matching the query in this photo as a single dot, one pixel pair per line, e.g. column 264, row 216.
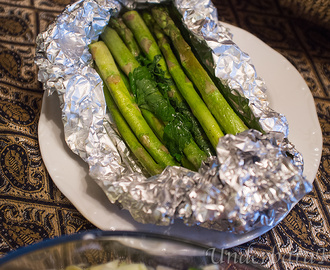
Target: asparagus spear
column 154, row 100
column 141, row 154
column 217, row 104
column 143, row 36
column 158, row 127
column 126, row 61
column 187, row 90
column 187, row 164
column 177, row 133
column 127, row 107
column 149, row 46
column 143, row 31
column 156, row 124
column 138, row 150
column 126, row 35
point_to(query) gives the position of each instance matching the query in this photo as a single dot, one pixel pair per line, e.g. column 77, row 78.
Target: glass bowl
column 108, row 249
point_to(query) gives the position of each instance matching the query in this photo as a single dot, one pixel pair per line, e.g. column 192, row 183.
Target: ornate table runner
column 33, row 209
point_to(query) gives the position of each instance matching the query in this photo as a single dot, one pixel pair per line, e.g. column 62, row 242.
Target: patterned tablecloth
column 33, row 209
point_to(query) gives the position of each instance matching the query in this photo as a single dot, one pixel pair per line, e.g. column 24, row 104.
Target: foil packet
column 254, row 179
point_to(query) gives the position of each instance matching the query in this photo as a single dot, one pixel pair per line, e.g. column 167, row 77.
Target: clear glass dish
column 94, row 248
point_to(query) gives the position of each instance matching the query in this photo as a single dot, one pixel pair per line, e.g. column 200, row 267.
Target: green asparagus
column 187, row 90
column 176, row 132
column 132, row 142
column 158, row 111
column 126, row 35
column 158, row 127
column 217, row 104
column 142, row 29
column 143, row 36
column 130, row 111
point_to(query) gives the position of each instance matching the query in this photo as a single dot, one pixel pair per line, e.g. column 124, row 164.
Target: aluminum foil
column 254, row 179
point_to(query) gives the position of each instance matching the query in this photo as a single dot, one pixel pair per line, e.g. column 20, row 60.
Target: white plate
column 288, row 94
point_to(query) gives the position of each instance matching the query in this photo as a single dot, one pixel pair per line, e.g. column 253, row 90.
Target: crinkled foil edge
column 254, row 179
